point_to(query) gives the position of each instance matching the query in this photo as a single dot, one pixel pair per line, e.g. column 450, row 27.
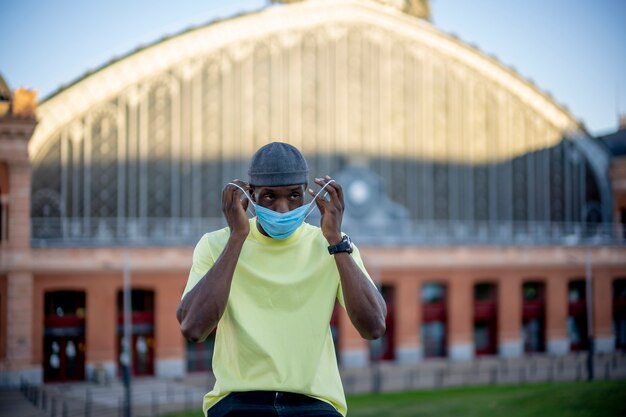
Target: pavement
column 14, row 403
column 150, row 397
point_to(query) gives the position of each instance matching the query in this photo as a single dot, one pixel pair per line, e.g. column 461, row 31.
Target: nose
column 282, row 206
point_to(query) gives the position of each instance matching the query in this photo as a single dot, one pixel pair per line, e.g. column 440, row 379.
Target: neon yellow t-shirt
column 275, row 332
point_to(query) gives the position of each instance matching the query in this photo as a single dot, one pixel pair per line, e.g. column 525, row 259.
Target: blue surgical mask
column 282, row 225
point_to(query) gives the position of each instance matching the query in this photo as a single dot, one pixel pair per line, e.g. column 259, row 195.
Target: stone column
column 4, row 215
column 509, row 316
column 19, row 348
column 353, row 349
column 408, row 349
column 556, row 315
column 101, row 328
column 461, row 318
column 19, row 205
column 604, row 339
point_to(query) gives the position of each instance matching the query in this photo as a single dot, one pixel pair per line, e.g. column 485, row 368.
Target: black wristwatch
column 344, row 246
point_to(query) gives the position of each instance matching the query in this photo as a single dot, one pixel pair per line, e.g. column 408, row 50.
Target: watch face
column 344, row 246
column 347, row 242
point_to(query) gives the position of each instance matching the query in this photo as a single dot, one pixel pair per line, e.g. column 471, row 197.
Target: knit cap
column 278, row 164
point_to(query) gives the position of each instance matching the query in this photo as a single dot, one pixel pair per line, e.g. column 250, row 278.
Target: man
column 269, row 284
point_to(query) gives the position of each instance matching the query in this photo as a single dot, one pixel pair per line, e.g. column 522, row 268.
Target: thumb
column 244, row 204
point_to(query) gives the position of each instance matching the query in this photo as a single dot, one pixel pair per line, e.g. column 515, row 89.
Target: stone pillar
column 19, row 349
column 603, row 336
column 170, row 346
column 509, row 316
column 4, row 218
column 556, row 315
column 461, row 319
column 19, row 205
column 408, row 349
column 101, row 329
column 353, row 349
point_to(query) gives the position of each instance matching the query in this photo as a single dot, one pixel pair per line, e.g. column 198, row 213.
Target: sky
column 575, row 50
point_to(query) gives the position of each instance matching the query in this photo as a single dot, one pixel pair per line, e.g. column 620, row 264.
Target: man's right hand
column 234, row 208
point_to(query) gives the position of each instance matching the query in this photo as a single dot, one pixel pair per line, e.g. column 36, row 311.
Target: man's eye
column 295, row 195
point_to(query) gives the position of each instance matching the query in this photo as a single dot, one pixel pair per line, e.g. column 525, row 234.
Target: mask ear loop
column 247, row 196
column 312, row 207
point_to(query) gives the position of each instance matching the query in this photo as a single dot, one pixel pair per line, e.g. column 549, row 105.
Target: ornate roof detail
column 5, row 97
column 417, row 8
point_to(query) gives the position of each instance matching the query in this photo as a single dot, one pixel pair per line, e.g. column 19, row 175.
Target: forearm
column 365, row 306
column 201, row 308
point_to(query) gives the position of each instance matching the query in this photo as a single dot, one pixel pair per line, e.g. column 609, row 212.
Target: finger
column 321, row 182
column 227, row 195
column 319, row 202
column 339, row 189
column 332, row 192
column 237, row 190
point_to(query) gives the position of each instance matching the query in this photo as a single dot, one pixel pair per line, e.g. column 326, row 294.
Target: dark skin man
column 201, row 309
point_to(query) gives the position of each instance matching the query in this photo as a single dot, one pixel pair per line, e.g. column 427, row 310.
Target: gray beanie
column 277, row 164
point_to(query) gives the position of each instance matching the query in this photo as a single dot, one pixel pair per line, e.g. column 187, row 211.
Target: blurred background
column 490, row 208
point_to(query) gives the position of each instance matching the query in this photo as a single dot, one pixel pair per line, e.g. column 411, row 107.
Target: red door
column 142, row 338
column 533, row 317
column 434, row 320
column 142, row 343
column 577, row 316
column 485, row 319
column 64, row 336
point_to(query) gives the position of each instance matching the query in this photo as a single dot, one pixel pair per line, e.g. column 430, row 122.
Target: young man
column 269, row 284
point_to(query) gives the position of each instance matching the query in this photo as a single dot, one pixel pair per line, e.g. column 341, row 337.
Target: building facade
column 480, row 205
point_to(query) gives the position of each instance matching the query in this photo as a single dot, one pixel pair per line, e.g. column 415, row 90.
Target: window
column 577, row 315
column 533, row 316
column 434, row 320
column 485, row 319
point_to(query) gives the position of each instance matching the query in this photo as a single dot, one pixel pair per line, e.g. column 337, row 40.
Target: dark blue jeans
column 271, row 404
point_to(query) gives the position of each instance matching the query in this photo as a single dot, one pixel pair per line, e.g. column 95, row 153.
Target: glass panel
column 484, row 292
column 141, row 301
column 532, row 335
column 532, row 291
column 481, row 336
column 65, row 303
column 574, row 331
column 576, row 292
column 200, row 355
column 433, row 293
column 433, row 339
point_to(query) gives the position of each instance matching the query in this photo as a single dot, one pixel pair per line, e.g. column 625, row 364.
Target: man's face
column 281, row 199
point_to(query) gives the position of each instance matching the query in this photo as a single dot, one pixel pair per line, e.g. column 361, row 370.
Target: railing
column 154, row 397
column 150, row 398
column 187, row 231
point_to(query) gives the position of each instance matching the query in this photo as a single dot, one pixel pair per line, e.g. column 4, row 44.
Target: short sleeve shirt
column 275, row 332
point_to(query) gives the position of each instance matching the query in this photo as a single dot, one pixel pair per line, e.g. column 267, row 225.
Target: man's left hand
column 331, row 210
